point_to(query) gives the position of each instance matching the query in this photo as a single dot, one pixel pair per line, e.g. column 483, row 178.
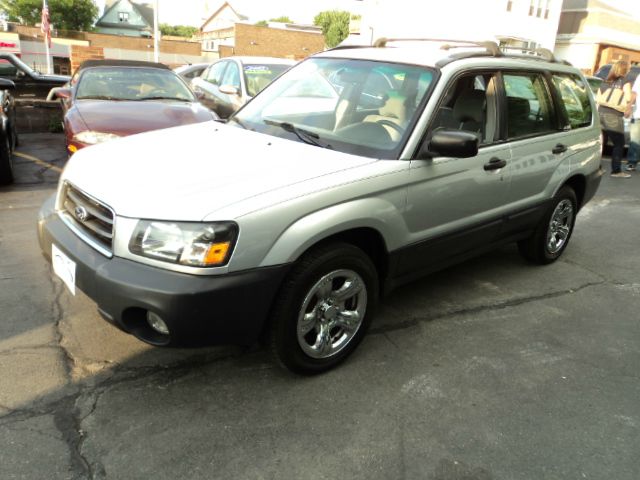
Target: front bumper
column 199, row 310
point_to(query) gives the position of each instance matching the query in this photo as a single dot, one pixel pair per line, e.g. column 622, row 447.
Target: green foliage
column 63, row 14
column 282, row 19
column 262, row 23
column 334, row 24
column 177, row 30
column 55, row 123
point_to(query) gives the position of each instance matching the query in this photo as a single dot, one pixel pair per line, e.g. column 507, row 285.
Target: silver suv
column 356, row 171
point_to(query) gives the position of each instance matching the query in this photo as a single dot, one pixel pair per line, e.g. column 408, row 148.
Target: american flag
column 45, row 26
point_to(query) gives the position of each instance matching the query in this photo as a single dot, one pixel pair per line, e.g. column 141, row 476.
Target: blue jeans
column 634, row 142
column 617, row 139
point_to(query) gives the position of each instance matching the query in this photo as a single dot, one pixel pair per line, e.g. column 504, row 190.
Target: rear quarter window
column 575, row 99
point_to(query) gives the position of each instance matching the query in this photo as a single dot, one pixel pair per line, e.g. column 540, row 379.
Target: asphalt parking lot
column 494, row 369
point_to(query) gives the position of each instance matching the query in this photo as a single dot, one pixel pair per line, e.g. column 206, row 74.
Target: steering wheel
column 389, row 123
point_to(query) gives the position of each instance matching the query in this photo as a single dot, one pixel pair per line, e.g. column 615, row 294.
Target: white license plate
column 64, row 267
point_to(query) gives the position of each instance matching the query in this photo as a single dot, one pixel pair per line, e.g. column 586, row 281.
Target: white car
column 229, row 83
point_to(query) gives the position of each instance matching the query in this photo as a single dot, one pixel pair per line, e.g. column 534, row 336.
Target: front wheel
column 324, row 308
column 552, row 234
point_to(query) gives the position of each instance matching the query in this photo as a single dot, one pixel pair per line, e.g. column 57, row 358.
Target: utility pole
column 156, row 33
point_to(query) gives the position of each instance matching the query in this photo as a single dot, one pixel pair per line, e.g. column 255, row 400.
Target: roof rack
column 544, row 53
column 491, row 48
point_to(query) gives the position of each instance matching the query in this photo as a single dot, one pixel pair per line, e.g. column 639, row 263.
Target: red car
column 108, row 99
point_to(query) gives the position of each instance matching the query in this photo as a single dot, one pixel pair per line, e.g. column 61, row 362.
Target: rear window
column 7, row 69
column 575, row 99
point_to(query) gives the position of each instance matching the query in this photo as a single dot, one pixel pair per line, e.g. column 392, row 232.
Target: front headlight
column 91, row 138
column 193, row 244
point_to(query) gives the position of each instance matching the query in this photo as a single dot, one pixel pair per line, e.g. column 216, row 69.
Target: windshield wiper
column 98, row 97
column 160, row 97
column 305, row 136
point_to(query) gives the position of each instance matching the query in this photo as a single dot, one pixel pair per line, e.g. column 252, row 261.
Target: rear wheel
column 552, row 234
column 324, row 308
column 6, row 161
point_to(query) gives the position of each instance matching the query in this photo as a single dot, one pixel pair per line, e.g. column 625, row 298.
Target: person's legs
column 634, row 144
column 617, row 152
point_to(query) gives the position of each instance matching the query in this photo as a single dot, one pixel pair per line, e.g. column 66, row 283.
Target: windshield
column 127, row 83
column 256, row 77
column 354, row 106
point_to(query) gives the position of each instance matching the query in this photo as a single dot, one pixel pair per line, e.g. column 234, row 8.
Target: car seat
column 393, row 111
column 518, row 121
column 469, row 111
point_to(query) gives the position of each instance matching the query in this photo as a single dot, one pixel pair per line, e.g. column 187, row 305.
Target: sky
column 192, row 12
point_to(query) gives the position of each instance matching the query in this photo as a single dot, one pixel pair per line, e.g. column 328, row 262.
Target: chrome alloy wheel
column 332, row 313
column 560, row 226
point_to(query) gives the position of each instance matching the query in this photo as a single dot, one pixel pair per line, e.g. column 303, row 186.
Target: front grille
column 90, row 217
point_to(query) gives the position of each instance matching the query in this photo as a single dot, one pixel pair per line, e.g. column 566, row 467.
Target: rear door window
column 7, row 69
column 575, row 99
column 529, row 107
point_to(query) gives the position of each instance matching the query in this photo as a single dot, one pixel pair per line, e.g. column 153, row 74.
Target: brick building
column 227, row 32
column 69, row 48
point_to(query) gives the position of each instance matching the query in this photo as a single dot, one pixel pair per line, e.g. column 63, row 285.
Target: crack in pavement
column 66, row 415
column 70, row 417
column 27, row 349
column 383, row 329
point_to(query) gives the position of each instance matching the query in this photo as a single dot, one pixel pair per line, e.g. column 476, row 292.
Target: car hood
column 188, row 172
column 126, row 118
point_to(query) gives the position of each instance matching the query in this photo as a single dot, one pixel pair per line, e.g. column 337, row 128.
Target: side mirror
column 20, row 74
column 451, row 143
column 199, row 95
column 228, row 89
column 62, row 93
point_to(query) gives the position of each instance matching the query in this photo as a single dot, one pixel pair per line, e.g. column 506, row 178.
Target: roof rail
column 492, row 48
column 542, row 53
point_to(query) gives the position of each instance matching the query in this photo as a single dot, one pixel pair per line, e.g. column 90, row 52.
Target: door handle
column 494, row 164
column 559, row 148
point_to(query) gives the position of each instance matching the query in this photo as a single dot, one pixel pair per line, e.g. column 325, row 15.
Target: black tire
column 296, row 291
column 537, row 248
column 6, row 162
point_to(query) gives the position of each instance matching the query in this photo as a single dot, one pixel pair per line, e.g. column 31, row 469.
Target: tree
column 262, row 23
column 63, row 14
column 334, row 24
column 282, row 19
column 177, row 30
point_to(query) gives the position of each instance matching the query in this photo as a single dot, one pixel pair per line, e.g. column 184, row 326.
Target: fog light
column 157, row 323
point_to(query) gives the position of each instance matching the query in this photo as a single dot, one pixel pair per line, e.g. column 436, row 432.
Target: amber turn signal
column 217, row 253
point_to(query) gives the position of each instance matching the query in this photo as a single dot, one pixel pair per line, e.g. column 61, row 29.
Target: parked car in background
column 228, row 84
column 28, row 82
column 191, row 71
column 8, row 134
column 108, row 99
